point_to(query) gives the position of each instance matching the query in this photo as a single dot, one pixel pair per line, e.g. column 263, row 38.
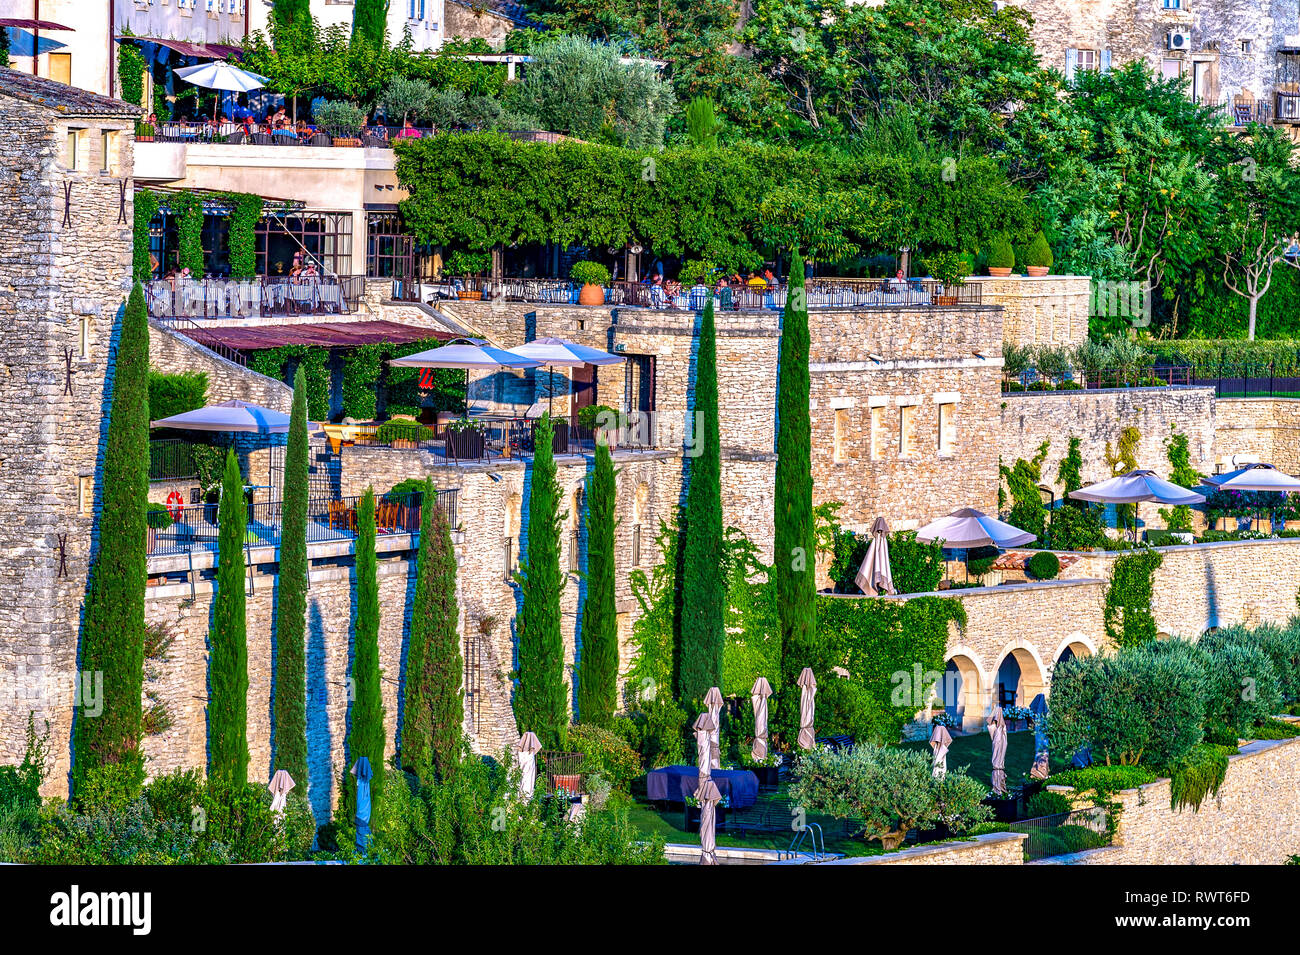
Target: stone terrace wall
column 995, row 848
column 65, row 260
column 1254, row 819
column 1052, row 310
column 174, row 353
column 1266, row 428
column 1214, row 585
column 1098, row 417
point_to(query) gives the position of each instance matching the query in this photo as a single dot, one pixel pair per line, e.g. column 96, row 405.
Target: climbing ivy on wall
column 146, row 207
column 272, row 362
column 1120, row 460
column 187, row 207
column 881, row 643
column 1127, row 607
column 362, row 367
column 1027, row 511
column 245, row 211
column 130, row 71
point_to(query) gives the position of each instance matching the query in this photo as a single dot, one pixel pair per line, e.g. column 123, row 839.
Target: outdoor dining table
column 675, row 783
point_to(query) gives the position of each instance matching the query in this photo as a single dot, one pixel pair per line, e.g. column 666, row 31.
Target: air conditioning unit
column 1180, row 40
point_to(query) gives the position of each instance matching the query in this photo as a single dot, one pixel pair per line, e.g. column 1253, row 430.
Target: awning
column 33, row 24
column 323, row 334
column 211, row 51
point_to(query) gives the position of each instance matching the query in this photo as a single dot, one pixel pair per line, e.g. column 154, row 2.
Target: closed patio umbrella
column 713, row 702
column 708, row 795
column 526, row 750
column 758, row 695
column 807, row 707
column 967, row 528
column 280, row 785
column 997, row 726
column 940, row 740
column 874, row 576
column 703, row 728
column 361, row 770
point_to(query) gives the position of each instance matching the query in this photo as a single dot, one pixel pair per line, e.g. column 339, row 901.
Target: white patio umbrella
column 967, row 528
column 874, row 576
column 470, row 354
column 220, row 75
column 280, row 785
column 940, row 740
column 713, row 702
column 526, row 750
column 1134, row 488
column 807, row 707
column 758, row 695
column 558, row 353
column 1253, row 477
column 235, row 415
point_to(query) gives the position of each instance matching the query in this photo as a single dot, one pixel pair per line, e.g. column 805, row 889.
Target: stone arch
column 962, row 688
column 1075, row 645
column 1020, row 675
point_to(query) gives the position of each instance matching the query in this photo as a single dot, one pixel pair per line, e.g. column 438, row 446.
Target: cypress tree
column 434, row 710
column 228, row 651
column 291, row 612
column 112, row 642
column 703, row 582
column 366, row 720
column 598, row 671
column 370, row 22
column 540, row 704
column 794, row 555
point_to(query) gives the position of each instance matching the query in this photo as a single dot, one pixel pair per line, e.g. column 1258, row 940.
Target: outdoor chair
column 321, row 139
column 236, row 138
column 341, row 516
column 262, row 139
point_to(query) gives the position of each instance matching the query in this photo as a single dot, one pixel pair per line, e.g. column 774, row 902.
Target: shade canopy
column 233, row 415
column 26, row 23
column 1135, row 487
column 23, row 43
column 1253, row 477
column 222, row 76
column 468, row 354
column 967, row 527
column 565, row 354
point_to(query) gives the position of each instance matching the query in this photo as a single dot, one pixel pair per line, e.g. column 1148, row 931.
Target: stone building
column 65, row 259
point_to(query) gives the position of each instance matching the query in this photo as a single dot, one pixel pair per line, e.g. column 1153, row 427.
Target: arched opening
column 960, row 691
column 1019, row 679
column 1075, row 649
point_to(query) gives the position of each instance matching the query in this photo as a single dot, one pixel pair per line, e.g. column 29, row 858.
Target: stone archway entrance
column 961, row 691
column 1018, row 679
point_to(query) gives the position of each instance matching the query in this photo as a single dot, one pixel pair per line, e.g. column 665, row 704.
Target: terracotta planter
column 947, row 300
column 465, row 295
column 405, row 444
column 571, row 783
column 999, row 273
column 1037, row 271
column 591, row 295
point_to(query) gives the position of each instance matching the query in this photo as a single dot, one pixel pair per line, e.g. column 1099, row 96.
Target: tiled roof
column 1016, row 560
column 65, row 99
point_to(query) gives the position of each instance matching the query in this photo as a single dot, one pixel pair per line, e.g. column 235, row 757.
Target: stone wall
column 1260, row 429
column 65, row 260
column 468, row 21
column 1051, row 310
column 173, row 353
column 995, row 848
column 1253, row 820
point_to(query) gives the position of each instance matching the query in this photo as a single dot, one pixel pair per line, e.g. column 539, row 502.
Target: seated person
column 725, row 295
column 699, row 296
column 408, row 131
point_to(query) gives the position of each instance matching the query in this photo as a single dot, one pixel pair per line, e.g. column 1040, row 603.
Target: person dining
column 725, row 295
column 408, row 131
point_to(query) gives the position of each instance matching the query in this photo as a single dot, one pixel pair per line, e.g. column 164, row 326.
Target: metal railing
column 1031, row 380
column 171, row 459
column 1243, row 114
column 262, row 297
column 196, row 527
column 1063, row 833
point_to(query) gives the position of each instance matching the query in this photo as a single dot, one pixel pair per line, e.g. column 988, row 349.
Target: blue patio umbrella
column 362, row 771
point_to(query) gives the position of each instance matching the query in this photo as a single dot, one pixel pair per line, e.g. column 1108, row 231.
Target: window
column 1088, row 60
column 841, row 434
column 947, row 428
column 1246, row 46
column 415, row 10
column 1173, row 4
column 108, row 147
column 325, row 236
column 83, row 338
column 907, row 431
column 389, row 252
column 85, row 493
column 61, row 68
column 76, row 153
column 877, row 432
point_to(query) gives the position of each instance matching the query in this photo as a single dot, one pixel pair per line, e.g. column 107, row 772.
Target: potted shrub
column 156, row 518
column 341, row 120
column 403, row 434
column 949, row 268
column 1038, row 258
column 691, row 821
column 466, row 264
column 593, row 277
column 603, row 419
column 1001, row 257
column 465, row 438
column 144, row 133
column 768, row 770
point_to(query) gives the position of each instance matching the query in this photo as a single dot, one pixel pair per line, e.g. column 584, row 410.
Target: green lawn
column 975, row 753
